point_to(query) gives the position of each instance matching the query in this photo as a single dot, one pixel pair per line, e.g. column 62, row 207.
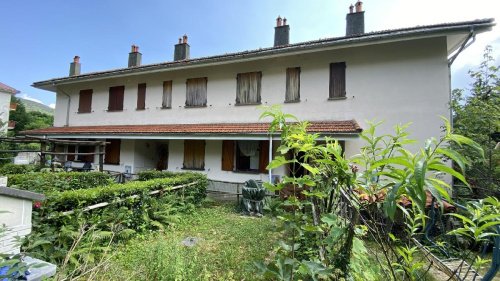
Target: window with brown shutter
column 116, row 98
column 251, row 156
column 194, row 154
column 292, row 84
column 337, row 80
column 141, row 96
column 263, row 156
column 227, row 155
column 85, row 101
column 112, row 152
column 166, row 101
column 71, row 149
column 248, row 87
column 196, row 92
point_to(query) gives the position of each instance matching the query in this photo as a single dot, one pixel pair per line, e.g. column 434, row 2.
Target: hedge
column 154, row 174
column 53, row 182
column 11, row 169
column 71, row 199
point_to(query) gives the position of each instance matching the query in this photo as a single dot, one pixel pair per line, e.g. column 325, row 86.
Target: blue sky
column 40, row 38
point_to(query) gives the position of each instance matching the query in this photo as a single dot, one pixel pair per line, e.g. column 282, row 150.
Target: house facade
column 203, row 113
column 6, row 106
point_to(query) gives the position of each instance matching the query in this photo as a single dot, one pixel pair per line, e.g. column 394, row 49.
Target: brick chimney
column 134, row 57
column 181, row 51
column 355, row 20
column 281, row 32
column 74, row 67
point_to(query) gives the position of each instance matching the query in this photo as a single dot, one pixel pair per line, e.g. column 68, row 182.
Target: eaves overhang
column 378, row 37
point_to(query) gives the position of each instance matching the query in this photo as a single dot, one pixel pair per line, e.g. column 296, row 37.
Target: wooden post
column 101, row 157
column 42, row 153
column 52, row 149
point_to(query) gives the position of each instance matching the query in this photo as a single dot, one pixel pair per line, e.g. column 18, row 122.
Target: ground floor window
column 85, row 149
column 245, row 155
column 194, row 154
column 112, row 152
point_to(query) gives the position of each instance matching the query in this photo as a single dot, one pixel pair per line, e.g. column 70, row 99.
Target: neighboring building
column 203, row 113
column 6, row 106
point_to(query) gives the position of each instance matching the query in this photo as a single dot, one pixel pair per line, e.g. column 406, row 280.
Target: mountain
column 36, row 106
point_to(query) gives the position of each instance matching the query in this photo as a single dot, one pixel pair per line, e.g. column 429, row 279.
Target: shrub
column 53, row 182
column 154, row 174
column 10, row 169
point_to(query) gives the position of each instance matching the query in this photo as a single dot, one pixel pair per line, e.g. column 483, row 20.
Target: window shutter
column 248, row 86
column 337, row 80
column 85, row 101
column 196, row 92
column 188, row 154
column 263, row 156
column 166, row 101
column 227, row 155
column 292, row 84
column 194, row 154
column 112, row 152
column 116, row 98
column 71, row 149
column 141, row 96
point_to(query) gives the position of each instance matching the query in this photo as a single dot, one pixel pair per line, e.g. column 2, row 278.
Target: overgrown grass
column 228, row 246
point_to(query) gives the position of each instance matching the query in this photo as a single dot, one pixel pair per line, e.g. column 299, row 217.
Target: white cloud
column 52, row 105
column 26, row 97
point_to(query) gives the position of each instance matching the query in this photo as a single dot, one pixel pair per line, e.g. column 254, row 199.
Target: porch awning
column 345, row 128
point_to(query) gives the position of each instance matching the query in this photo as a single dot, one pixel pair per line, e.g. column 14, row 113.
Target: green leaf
column 446, row 169
column 453, row 155
column 420, row 171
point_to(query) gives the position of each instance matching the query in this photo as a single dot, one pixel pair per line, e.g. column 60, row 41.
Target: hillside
column 35, row 106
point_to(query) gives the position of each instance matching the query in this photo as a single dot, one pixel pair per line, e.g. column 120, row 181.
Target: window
column 194, row 154
column 337, row 80
column 112, row 152
column 245, row 155
column 141, row 96
column 71, row 149
column 166, row 101
column 116, row 98
column 85, row 101
column 292, row 84
column 196, row 92
column 86, row 149
column 248, row 88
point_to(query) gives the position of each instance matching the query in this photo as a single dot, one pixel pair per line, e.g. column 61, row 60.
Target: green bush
column 70, row 199
column 53, row 182
column 154, row 174
column 10, row 169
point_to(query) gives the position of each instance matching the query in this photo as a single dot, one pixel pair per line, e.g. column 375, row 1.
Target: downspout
column 270, row 157
column 67, row 109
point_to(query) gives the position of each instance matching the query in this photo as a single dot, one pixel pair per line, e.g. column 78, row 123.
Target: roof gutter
column 465, row 45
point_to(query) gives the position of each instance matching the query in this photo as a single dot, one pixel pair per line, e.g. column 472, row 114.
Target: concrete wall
column 394, row 82
column 17, row 220
column 4, row 110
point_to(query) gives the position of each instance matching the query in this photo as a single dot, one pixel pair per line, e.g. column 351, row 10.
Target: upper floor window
column 116, row 98
column 166, row 100
column 141, row 96
column 337, row 80
column 85, row 101
column 196, row 92
column 292, row 84
column 248, row 88
column 194, row 154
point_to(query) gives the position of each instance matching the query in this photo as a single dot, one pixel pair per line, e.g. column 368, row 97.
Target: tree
column 476, row 114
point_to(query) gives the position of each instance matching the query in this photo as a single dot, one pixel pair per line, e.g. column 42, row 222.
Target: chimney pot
column 278, row 21
column 184, row 39
column 351, row 9
column 359, row 7
column 180, row 40
column 76, row 59
column 284, row 21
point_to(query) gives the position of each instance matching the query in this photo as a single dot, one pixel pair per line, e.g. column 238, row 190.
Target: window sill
column 165, row 107
column 114, row 110
column 195, row 106
column 292, row 101
column 193, row 169
column 244, row 104
column 84, row 112
column 140, row 109
column 337, row 98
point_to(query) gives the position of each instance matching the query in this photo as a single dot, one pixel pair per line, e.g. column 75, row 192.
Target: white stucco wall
column 17, row 221
column 396, row 82
column 4, row 110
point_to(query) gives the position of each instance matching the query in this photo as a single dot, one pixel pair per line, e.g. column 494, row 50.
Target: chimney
column 134, row 57
column 181, row 51
column 281, row 33
column 355, row 21
column 74, row 67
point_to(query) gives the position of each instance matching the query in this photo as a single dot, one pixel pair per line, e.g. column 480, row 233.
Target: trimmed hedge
column 154, row 174
column 54, row 182
column 11, row 169
column 71, row 199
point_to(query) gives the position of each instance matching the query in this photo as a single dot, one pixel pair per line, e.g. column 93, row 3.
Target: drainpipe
column 67, row 109
column 270, row 157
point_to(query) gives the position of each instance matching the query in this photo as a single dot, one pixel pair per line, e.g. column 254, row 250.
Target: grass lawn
column 229, row 244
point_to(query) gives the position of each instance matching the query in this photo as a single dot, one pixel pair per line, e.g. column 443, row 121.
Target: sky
column 40, row 38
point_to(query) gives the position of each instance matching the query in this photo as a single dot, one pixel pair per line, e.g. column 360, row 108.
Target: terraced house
column 203, row 113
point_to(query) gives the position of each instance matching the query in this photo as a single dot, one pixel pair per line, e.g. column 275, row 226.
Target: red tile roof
column 7, row 89
column 327, row 127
